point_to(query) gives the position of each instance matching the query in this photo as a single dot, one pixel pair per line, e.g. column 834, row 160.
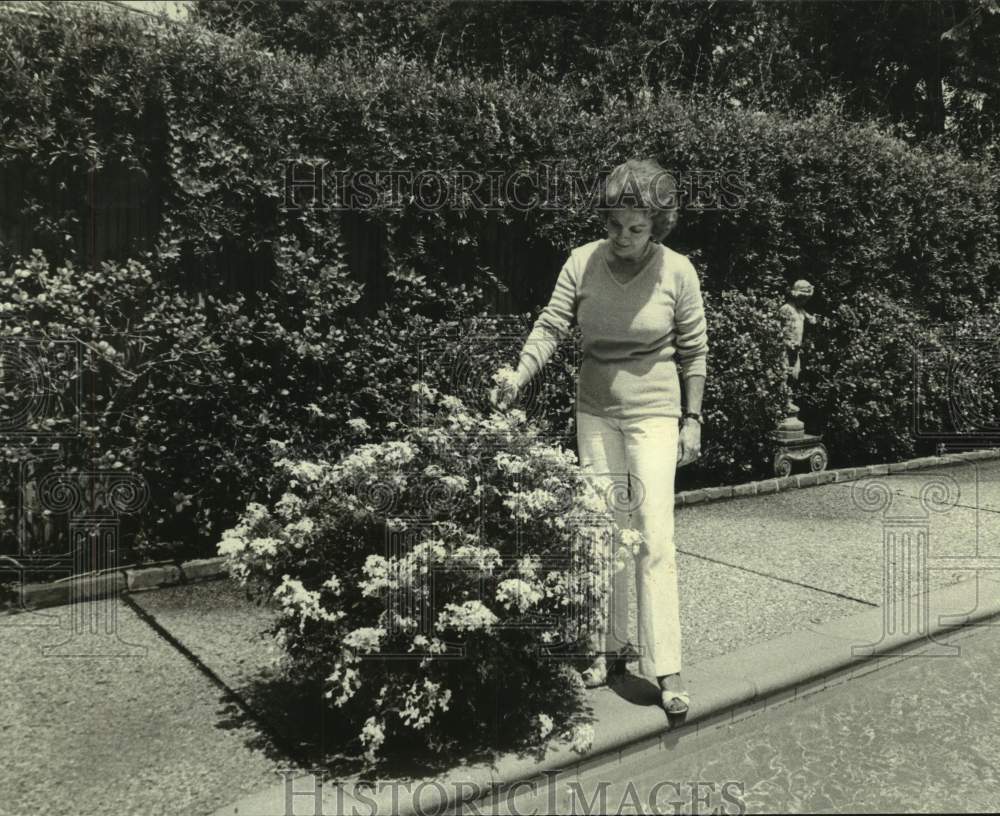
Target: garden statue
column 794, row 443
column 795, row 317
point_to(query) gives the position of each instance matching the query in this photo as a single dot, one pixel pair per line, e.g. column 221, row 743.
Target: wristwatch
column 694, row 416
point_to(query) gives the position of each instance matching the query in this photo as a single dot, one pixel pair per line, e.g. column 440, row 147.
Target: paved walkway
column 182, row 714
column 917, row 736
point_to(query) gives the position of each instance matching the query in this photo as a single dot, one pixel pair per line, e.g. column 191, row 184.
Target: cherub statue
column 795, row 317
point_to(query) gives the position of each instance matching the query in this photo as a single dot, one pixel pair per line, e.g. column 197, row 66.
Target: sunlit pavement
column 917, row 736
column 182, row 724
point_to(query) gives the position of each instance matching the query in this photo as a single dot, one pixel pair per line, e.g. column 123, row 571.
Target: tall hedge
column 211, row 121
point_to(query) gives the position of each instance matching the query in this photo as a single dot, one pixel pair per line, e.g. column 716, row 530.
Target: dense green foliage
column 897, row 240
column 920, row 67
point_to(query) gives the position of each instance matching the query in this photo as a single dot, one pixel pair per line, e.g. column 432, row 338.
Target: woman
column 639, row 307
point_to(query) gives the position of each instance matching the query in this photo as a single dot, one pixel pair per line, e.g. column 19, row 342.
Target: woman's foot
column 673, row 698
column 604, row 666
column 596, row 674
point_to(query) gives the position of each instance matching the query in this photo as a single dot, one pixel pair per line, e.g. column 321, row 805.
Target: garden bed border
column 169, row 573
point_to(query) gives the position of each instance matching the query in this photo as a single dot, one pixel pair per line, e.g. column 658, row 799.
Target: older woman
column 639, row 307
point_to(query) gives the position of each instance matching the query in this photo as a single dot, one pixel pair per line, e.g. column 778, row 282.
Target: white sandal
column 596, row 675
column 675, row 704
column 599, row 671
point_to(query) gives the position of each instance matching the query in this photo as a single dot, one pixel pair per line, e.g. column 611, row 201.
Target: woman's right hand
column 507, row 384
column 503, row 396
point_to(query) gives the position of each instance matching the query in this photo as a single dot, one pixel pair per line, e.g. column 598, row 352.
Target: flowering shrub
column 439, row 584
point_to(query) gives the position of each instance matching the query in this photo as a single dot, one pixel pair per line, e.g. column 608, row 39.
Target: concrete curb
column 847, row 474
column 165, row 574
column 115, row 582
column 725, row 690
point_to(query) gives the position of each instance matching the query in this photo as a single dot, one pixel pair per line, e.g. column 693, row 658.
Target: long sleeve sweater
column 635, row 334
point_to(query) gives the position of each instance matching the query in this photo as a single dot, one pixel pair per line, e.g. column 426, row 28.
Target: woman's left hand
column 688, row 442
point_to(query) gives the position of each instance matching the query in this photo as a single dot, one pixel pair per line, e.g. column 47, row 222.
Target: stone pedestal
column 793, row 444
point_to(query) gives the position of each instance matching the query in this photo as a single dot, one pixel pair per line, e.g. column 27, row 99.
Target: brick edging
column 114, row 582
column 91, row 587
column 849, row 474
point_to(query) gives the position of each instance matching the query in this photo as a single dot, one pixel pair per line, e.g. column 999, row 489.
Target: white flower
column 346, row 679
column 299, row 533
column 265, row 546
column 253, row 514
column 296, row 600
column 231, row 544
column 289, row 506
column 543, row 724
column 372, row 737
column 454, row 483
column 398, row 453
column 365, row 640
column 302, row 471
column 466, row 617
column 380, row 576
column 424, row 391
column 528, row 567
column 632, row 539
column 472, row 556
column 529, row 504
column 582, row 738
column 403, row 623
column 358, row 425
column 421, row 701
column 514, row 591
column 509, row 464
column 452, row 403
column 423, row 556
column 430, row 645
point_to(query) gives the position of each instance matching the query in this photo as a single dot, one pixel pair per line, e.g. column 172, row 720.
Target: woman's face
column 629, row 231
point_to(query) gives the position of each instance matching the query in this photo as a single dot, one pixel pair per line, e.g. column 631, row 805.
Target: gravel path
column 147, row 734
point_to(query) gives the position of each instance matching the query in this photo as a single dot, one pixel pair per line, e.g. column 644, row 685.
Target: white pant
column 643, row 451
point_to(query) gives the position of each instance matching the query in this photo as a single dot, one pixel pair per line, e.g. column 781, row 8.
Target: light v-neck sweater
column 635, row 334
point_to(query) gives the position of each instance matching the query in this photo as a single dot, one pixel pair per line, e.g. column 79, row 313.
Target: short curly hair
column 643, row 184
